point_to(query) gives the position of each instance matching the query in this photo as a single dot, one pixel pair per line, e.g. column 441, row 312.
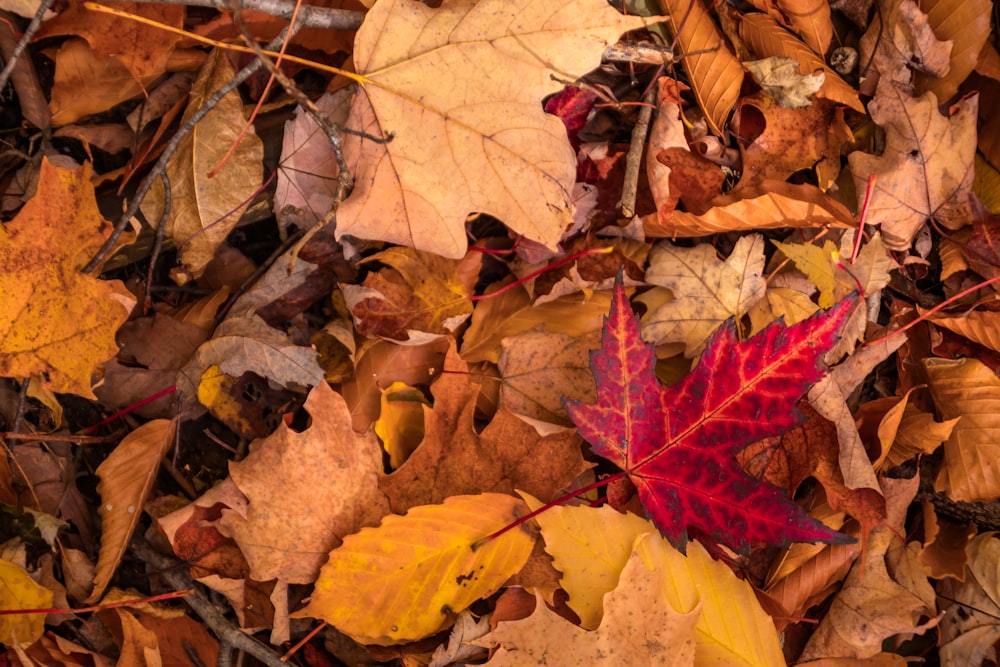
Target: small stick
column 635, row 151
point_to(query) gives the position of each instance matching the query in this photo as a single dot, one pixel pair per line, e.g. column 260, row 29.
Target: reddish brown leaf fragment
column 677, row 443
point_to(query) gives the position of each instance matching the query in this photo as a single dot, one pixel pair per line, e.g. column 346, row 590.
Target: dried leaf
column 306, row 490
column 780, row 79
column 715, row 73
column 409, row 577
column 811, row 21
column 206, row 200
column 107, row 82
column 57, row 321
column 127, row 477
column 480, row 144
column 19, row 591
column 966, row 24
column 926, row 169
column 707, row 291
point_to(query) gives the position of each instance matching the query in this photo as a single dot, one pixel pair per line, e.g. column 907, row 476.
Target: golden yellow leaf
column 967, row 24
column 205, row 206
column 817, row 263
column 400, row 423
column 459, row 89
column 19, row 591
column 715, row 73
column 127, row 477
column 926, row 169
column 641, row 626
column 412, row 575
column 590, row 546
column 766, row 38
column 707, row 291
column 55, row 321
column 966, row 388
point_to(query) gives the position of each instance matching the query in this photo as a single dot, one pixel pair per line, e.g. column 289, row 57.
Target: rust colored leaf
column 715, row 73
column 677, row 443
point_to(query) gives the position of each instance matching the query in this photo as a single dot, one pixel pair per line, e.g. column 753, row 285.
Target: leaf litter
column 480, row 415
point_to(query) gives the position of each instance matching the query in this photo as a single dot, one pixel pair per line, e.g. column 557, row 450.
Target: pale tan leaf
column 926, row 169
column 707, row 291
column 642, row 626
column 481, row 143
column 968, row 389
column 967, row 24
column 768, row 205
column 970, row 629
column 766, row 38
column 899, row 41
column 715, row 73
column 127, row 477
column 204, row 208
column 412, row 575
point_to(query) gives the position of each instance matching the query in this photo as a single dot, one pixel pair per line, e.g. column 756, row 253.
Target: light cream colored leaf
column 707, row 291
column 766, row 38
column 127, row 477
column 780, row 78
column 968, row 389
column 715, row 73
column 205, row 204
column 409, row 577
column 480, row 143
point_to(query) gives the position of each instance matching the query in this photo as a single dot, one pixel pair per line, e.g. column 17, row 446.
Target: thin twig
column 175, row 141
column 161, row 231
column 634, row 158
column 173, row 571
column 54, row 437
column 29, row 32
column 309, row 16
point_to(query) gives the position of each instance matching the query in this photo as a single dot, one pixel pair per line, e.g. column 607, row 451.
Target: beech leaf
column 409, row 577
column 677, row 443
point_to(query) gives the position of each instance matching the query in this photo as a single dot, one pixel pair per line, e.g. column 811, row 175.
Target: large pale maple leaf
column 460, row 88
column 677, row 443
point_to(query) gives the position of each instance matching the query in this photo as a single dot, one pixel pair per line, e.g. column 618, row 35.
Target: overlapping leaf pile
column 766, row 442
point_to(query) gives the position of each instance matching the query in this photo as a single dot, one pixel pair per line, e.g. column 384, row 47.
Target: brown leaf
column 715, row 73
column 205, row 204
column 810, row 21
column 482, row 143
column 306, row 491
column 904, row 42
column 966, row 23
column 926, row 169
column 453, row 459
column 127, row 477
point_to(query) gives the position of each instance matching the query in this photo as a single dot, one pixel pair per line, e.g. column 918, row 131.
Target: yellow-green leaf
column 412, row 575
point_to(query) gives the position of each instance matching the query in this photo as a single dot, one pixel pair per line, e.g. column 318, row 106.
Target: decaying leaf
column 410, row 577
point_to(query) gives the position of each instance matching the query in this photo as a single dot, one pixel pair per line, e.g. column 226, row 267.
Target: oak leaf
column 482, row 143
column 668, row 439
column 409, row 577
column 57, row 322
column 926, row 170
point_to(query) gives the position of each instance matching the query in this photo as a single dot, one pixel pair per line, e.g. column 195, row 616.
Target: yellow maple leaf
column 19, row 591
column 55, row 321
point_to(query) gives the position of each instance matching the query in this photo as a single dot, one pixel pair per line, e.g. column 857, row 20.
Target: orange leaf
column 715, row 73
column 55, row 320
column 967, row 24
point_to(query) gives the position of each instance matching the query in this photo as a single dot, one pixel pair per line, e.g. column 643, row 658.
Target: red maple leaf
column 677, row 443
